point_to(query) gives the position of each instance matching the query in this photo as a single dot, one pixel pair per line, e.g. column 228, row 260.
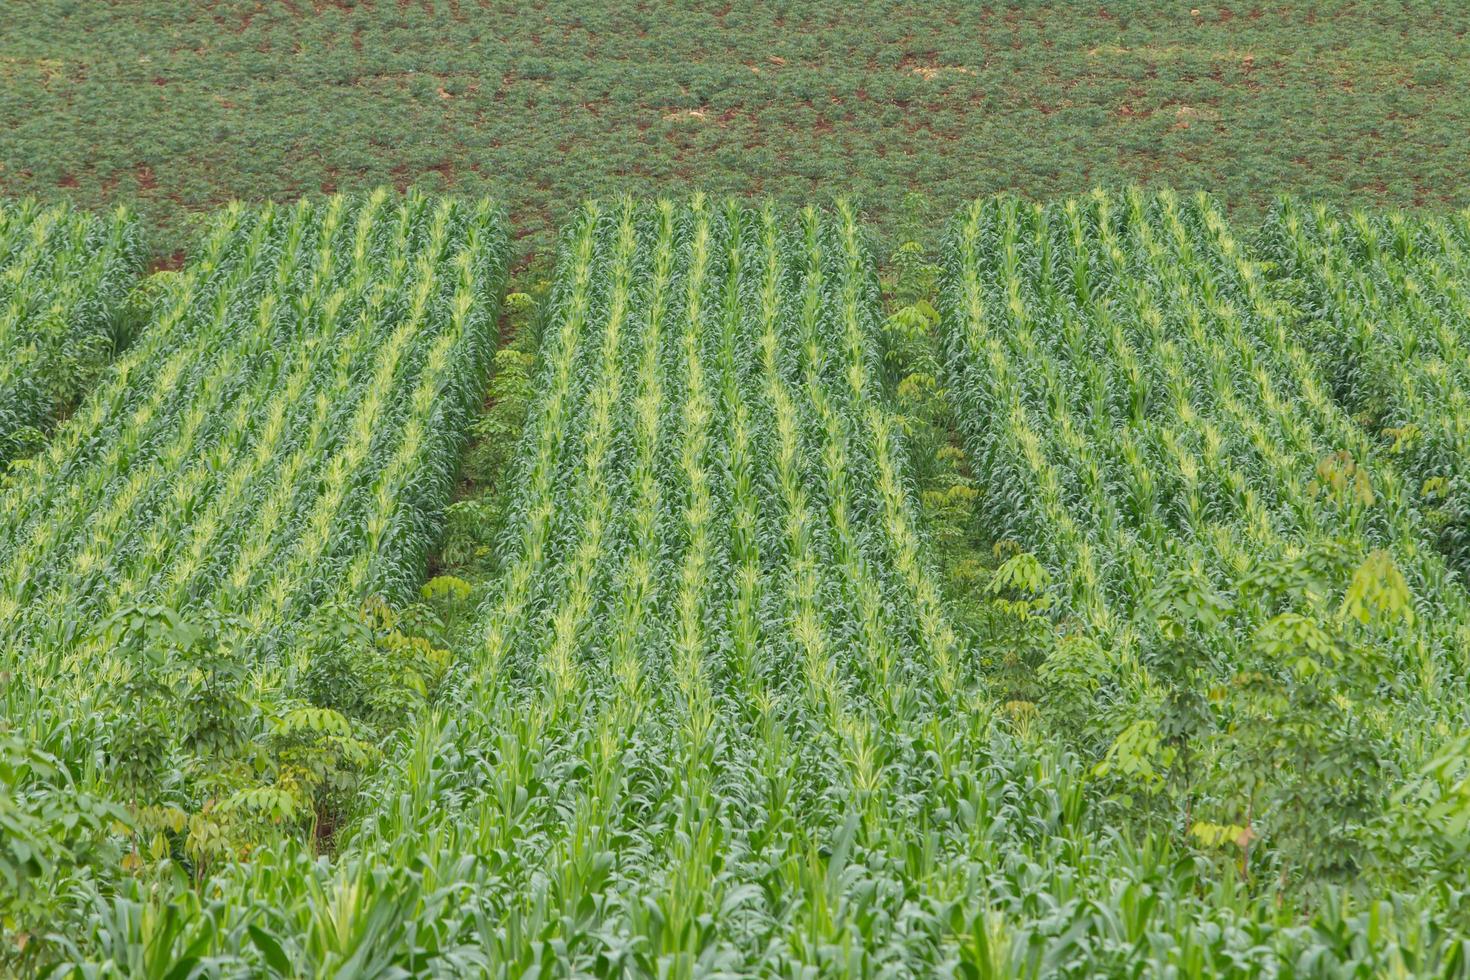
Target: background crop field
column 179, row 105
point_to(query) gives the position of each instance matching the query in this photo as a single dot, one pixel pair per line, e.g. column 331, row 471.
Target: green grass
column 176, row 106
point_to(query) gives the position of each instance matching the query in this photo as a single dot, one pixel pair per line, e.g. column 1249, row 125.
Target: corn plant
column 64, row 282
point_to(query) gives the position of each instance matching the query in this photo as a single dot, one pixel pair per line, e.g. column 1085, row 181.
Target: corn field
column 1255, row 634
column 64, row 281
column 1121, row 363
column 718, row 708
column 1386, row 302
column 281, row 440
column 714, row 668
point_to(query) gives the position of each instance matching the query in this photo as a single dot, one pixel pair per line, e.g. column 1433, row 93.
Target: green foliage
column 544, row 104
column 1059, row 623
column 209, row 573
column 1075, row 681
column 1383, row 299
column 1424, row 839
column 1235, row 573
column 474, row 522
column 49, row 832
column 183, row 685
column 994, row 604
column 1290, row 747
column 714, row 598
